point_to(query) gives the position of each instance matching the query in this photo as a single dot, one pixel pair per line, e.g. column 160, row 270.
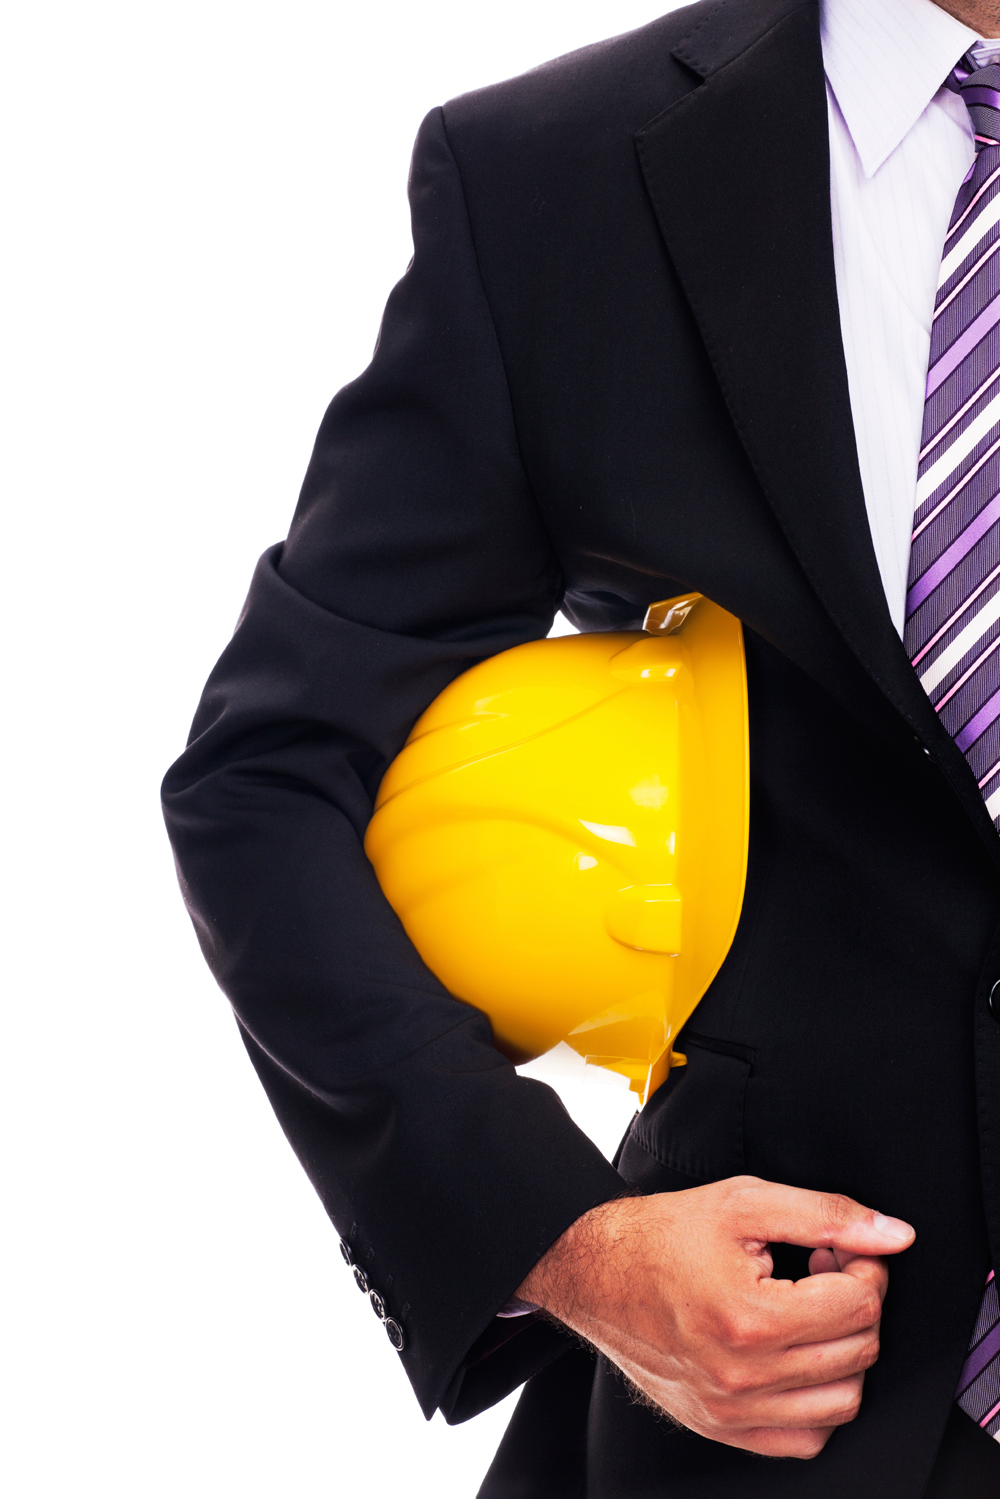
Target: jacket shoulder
column 622, row 81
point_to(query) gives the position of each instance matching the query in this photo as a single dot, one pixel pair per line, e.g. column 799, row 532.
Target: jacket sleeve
column 416, row 549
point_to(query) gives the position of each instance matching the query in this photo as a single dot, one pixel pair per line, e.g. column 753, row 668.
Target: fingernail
column 892, row 1228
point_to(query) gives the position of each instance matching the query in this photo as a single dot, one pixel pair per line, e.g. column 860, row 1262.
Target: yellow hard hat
column 564, row 835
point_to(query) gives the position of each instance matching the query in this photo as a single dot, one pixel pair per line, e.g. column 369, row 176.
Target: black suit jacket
column 613, row 371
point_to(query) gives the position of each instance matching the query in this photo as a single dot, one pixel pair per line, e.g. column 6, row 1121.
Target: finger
column 772, row 1213
column 826, row 1261
column 819, row 1308
column 823, row 1262
column 784, row 1430
column 778, row 1441
column 768, row 1441
column 832, row 1404
column 866, row 1269
column 811, row 1364
column 792, row 1368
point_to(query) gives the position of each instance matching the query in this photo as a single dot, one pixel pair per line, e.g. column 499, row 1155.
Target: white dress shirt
column 900, row 145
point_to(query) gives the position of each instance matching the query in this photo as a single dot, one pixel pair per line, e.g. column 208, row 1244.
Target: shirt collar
column 885, row 60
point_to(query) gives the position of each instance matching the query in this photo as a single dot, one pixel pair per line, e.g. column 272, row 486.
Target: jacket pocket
column 691, row 1131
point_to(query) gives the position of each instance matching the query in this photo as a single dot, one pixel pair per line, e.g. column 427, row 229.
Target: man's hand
column 676, row 1289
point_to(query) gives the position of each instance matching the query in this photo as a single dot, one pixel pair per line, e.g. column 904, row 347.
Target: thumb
column 818, row 1220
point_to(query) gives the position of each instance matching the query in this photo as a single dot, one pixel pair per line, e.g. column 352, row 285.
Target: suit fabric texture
column 613, row 372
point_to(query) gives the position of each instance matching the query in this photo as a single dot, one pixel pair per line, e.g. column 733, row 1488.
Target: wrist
column 573, row 1270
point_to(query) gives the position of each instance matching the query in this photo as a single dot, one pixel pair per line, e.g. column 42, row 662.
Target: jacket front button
column 361, row 1279
column 995, row 1001
column 394, row 1333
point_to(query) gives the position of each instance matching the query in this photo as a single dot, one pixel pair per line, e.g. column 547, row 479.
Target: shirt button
column 361, row 1279
column 378, row 1305
column 995, row 1001
column 394, row 1333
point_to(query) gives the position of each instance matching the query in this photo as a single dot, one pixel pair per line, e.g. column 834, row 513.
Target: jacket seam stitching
column 664, row 1158
column 706, row 77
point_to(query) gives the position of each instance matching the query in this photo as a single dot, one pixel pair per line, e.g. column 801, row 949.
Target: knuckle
column 734, row 1380
column 741, row 1197
column 836, row 1211
column 870, row 1351
column 847, row 1411
column 869, row 1309
column 750, row 1185
column 848, row 1402
column 738, row 1333
column 727, row 1323
column 738, row 1330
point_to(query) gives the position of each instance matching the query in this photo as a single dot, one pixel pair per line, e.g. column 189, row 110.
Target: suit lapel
column 738, row 171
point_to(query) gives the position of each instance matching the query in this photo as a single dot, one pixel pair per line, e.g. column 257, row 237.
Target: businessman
column 713, row 306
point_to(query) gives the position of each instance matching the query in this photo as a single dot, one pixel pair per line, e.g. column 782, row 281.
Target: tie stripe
column 957, row 352
column 973, row 400
column 983, row 424
column 977, row 231
column 952, row 619
column 961, row 645
column 949, row 559
column 952, row 630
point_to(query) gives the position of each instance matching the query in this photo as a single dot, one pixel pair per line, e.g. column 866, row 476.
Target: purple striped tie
column 952, row 631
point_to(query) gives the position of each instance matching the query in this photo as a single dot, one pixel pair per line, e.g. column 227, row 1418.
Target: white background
column 204, row 209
